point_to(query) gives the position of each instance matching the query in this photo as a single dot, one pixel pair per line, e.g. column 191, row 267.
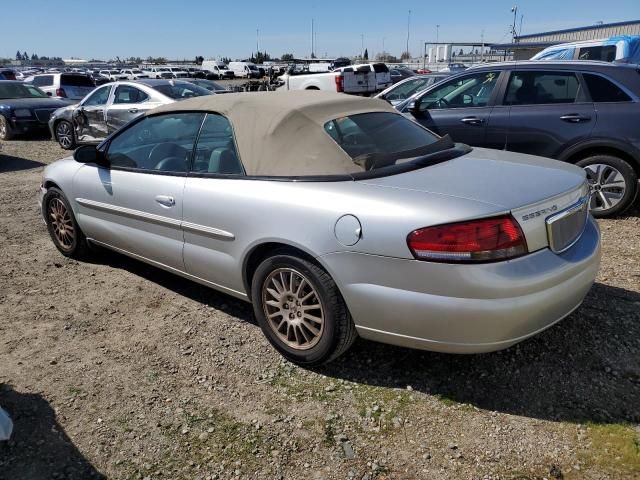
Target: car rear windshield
column 20, row 90
column 380, row 139
column 76, row 80
column 181, row 91
column 380, row 68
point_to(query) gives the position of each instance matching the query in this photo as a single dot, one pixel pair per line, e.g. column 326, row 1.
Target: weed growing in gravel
column 614, row 447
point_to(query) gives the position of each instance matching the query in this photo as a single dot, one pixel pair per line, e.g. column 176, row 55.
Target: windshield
column 381, row 139
column 114, row 72
column 408, row 88
column 253, row 67
column 19, row 90
column 181, row 91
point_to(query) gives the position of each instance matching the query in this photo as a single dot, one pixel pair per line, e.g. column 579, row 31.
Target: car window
column 11, row 89
column 606, row 53
column 534, row 88
column 472, row 90
column 43, row 81
column 76, row 80
column 180, row 91
column 603, row 90
column 216, row 151
column 129, row 94
column 408, row 88
column 367, row 135
column 160, row 143
column 98, row 97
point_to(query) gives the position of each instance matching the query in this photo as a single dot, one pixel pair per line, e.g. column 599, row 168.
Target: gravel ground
column 114, row 369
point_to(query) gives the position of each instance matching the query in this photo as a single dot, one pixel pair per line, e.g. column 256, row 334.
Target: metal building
column 526, row 46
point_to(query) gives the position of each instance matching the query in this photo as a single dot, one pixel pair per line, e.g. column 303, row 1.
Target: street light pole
column 257, row 43
column 384, row 55
column 437, row 46
column 513, row 28
column 408, row 30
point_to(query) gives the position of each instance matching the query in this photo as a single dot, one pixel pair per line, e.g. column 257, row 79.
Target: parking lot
column 141, row 374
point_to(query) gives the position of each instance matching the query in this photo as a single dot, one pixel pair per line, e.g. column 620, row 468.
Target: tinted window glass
column 180, row 91
column 602, row 90
column 98, row 97
column 468, row 91
column 408, row 88
column 531, row 88
column 19, row 90
column 159, row 143
column 216, row 152
column 606, row 53
column 43, row 81
column 380, row 68
column 378, row 133
column 76, row 80
column 129, row 94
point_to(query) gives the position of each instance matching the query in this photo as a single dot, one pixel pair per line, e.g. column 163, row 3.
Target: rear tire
column 300, row 310
column 62, row 225
column 613, row 183
column 65, row 135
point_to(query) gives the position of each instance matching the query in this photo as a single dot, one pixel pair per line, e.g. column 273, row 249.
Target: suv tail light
column 339, row 83
column 485, row 240
column 60, row 92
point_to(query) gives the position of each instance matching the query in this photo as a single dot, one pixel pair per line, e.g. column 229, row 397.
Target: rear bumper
column 464, row 308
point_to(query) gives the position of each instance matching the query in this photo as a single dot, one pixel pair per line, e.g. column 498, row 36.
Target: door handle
column 575, row 118
column 472, row 120
column 133, row 110
column 166, row 200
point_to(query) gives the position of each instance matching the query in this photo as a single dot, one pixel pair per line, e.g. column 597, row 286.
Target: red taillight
column 60, row 92
column 485, row 240
column 339, row 83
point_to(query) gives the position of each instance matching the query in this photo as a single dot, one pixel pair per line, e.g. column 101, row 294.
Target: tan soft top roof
column 282, row 133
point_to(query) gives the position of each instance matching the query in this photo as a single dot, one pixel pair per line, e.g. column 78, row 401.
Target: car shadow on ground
column 38, row 448
column 586, row 368
column 10, row 163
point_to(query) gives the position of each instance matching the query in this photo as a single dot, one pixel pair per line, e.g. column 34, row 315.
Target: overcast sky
column 183, row 29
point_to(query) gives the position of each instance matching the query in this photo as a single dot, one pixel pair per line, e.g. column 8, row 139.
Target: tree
column 18, row 55
column 225, row 60
column 287, row 57
column 25, row 56
column 366, row 54
column 34, row 56
column 405, row 56
column 460, row 52
column 199, row 59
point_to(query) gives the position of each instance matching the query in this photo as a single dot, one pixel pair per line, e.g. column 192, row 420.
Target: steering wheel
column 172, row 164
column 165, row 151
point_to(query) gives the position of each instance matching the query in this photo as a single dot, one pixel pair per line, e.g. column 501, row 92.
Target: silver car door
column 88, row 117
column 210, row 223
column 128, row 103
column 135, row 204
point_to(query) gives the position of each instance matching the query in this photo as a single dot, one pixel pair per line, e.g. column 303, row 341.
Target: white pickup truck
column 355, row 82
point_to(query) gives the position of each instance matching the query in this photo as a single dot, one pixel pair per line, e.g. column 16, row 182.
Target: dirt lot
column 115, row 369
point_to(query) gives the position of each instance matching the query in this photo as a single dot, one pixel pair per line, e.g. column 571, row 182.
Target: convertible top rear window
column 380, row 139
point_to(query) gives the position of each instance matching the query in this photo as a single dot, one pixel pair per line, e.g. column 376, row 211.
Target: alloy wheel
column 293, row 308
column 61, row 222
column 64, row 134
column 607, row 186
column 3, row 128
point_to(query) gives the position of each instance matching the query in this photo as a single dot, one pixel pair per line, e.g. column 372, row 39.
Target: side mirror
column 90, row 154
column 414, row 109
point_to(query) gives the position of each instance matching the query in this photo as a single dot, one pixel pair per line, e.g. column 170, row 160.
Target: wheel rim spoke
column 61, row 223
column 293, row 309
column 607, row 185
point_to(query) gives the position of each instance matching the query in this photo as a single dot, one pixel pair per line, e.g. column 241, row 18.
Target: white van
column 244, row 69
column 218, row 68
column 381, row 71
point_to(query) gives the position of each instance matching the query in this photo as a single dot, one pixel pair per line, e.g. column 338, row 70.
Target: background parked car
column 98, row 79
column 577, row 111
column 399, row 73
column 156, row 72
column 244, row 69
column 111, row 106
column 8, row 74
column 113, row 75
column 74, row 86
column 404, row 89
column 24, row 108
column 208, row 84
column 134, row 74
column 220, row 69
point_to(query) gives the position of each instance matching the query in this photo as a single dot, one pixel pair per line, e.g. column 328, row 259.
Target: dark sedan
column 208, row 84
column 25, row 108
column 399, row 73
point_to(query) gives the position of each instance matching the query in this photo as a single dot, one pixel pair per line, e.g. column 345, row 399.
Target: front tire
column 301, row 311
column 5, row 132
column 65, row 135
column 62, row 225
column 613, row 184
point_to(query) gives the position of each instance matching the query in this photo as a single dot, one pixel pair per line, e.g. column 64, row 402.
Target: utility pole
column 437, row 46
column 361, row 46
column 384, row 53
column 408, row 30
column 514, row 10
column 482, row 48
column 312, row 38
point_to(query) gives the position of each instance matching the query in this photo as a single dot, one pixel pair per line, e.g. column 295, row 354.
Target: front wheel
column 5, row 132
column 613, row 184
column 301, row 311
column 64, row 135
column 63, row 228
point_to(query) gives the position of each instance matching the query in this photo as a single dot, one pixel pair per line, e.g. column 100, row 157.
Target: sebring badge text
column 544, row 211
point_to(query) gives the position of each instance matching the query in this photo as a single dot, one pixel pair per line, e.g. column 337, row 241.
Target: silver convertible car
column 335, row 216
